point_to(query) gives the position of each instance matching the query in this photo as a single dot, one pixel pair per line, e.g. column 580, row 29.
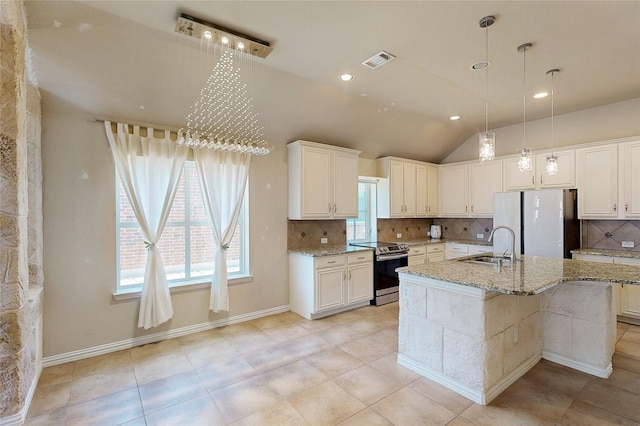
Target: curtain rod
column 153, row 126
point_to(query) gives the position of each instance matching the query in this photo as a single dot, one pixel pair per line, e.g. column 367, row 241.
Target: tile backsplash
column 411, row 229
column 609, row 234
column 304, row 234
column 465, row 228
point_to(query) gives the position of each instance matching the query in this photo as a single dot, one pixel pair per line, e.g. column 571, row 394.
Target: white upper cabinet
column 566, row 176
column 597, row 170
column 514, row 179
column 467, row 189
column 484, row 180
column 407, row 190
column 427, row 190
column 454, row 190
column 323, row 181
column 630, row 180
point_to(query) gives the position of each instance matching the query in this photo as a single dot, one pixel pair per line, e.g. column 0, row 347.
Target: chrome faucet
column 513, row 256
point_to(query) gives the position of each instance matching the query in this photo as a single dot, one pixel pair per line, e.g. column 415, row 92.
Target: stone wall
column 21, row 276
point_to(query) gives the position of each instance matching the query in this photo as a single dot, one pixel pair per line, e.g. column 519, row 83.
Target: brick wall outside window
column 172, row 244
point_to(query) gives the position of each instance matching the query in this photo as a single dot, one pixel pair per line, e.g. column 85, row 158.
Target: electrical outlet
column 399, row 235
column 480, row 236
column 324, row 240
column 628, row 244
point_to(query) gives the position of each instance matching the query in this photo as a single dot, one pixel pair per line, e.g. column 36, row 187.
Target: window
column 364, row 227
column 187, row 246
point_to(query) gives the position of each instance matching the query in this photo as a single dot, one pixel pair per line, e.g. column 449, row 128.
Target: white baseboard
column 475, row 395
column 577, row 365
column 156, row 337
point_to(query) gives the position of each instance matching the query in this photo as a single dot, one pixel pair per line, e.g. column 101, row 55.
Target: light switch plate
column 628, row 244
column 480, row 236
column 324, row 240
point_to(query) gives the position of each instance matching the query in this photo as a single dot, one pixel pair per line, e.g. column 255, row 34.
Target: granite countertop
column 530, row 276
column 328, row 251
column 611, row 253
column 423, row 241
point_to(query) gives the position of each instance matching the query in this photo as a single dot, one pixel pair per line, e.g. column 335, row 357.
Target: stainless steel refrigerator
column 545, row 222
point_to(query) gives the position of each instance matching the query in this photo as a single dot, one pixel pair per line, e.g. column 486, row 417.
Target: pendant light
column 487, row 140
column 524, row 162
column 552, row 161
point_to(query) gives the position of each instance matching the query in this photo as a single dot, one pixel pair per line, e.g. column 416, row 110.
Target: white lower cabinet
column 455, row 250
column 435, row 253
column 475, row 249
column 417, row 255
column 320, row 286
column 628, row 295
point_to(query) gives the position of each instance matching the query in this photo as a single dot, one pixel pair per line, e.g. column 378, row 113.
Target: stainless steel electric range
column 388, row 257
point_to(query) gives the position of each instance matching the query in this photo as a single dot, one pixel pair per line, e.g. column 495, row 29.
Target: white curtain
column 150, row 169
column 223, row 178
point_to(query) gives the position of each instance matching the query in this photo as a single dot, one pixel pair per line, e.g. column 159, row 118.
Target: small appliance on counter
column 435, row 232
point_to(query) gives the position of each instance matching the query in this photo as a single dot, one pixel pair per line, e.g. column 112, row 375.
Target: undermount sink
column 483, row 259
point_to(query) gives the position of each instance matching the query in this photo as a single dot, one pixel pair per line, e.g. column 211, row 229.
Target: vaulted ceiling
column 124, row 60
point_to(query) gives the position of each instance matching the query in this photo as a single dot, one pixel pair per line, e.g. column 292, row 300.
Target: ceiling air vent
column 378, row 60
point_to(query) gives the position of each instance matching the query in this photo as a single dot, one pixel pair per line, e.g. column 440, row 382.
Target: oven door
column 386, row 278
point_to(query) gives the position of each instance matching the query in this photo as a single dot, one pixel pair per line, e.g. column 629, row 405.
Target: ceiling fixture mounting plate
column 201, row 29
column 378, row 60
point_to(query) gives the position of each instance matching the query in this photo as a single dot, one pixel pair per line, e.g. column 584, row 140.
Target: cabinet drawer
column 360, row 257
column 417, row 250
column 457, row 248
column 435, row 248
column 329, row 262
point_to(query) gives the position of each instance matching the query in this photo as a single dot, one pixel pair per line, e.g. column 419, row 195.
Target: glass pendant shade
column 487, row 146
column 525, row 162
column 552, row 165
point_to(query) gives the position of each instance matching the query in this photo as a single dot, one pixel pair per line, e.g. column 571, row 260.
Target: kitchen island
column 477, row 328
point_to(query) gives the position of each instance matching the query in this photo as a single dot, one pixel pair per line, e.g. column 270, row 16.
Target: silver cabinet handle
column 329, row 207
column 615, row 207
column 335, row 209
column 331, row 261
column 626, row 207
column 541, row 182
column 349, row 275
column 533, row 180
column 466, row 209
column 471, row 208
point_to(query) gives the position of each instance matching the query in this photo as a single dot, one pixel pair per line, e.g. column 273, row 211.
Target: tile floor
column 285, row 370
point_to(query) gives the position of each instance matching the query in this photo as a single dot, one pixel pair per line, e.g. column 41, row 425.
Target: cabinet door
column 329, row 289
column 345, row 186
column 433, row 191
column 409, row 174
column 631, row 179
column 454, row 190
column 566, row 176
column 597, row 170
column 485, row 179
column 435, row 257
column 360, row 282
column 422, row 191
column 514, row 180
column 396, row 188
column 317, row 200
column 629, row 295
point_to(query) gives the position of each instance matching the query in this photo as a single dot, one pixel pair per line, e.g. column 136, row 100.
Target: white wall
column 80, row 250
column 613, row 121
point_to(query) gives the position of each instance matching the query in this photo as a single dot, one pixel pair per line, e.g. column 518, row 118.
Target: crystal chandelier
column 525, row 162
column 552, row 160
column 223, row 118
column 486, row 140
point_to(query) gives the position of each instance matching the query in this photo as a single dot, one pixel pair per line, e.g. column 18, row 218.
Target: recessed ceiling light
column 240, row 45
column 540, row 95
column 207, row 35
column 481, row 65
column 454, row 117
column 347, row 77
column 224, row 40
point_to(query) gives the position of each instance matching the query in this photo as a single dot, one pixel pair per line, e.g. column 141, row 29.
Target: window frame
column 370, row 211
column 187, row 283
